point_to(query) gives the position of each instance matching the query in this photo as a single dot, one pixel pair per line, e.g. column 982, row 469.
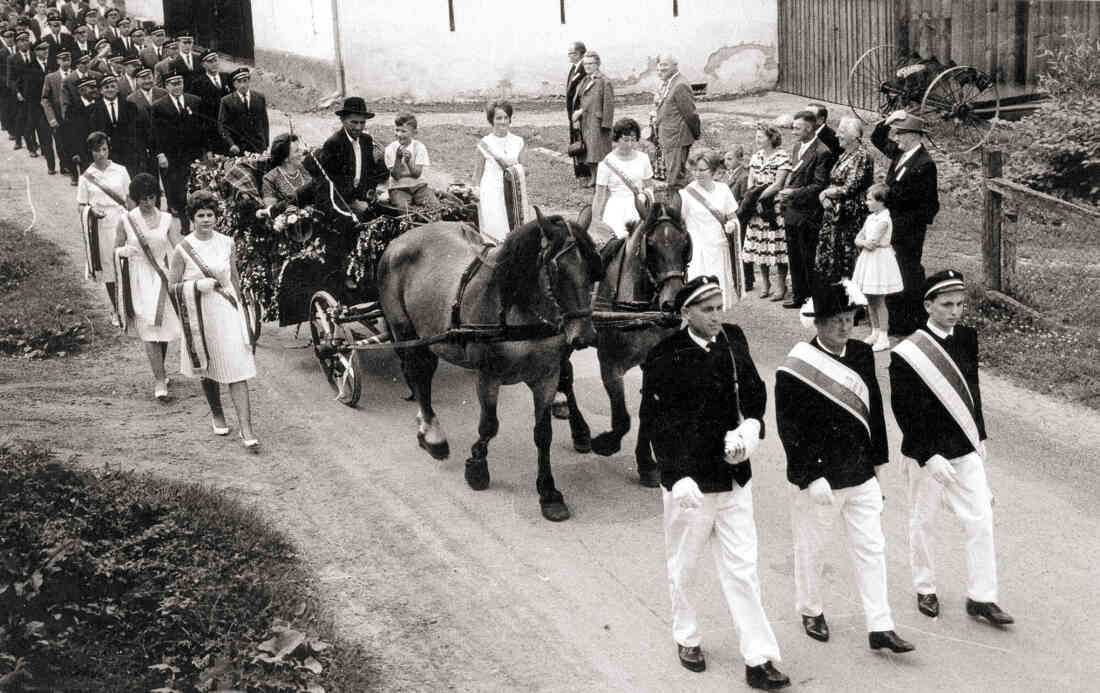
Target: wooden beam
column 992, row 167
column 1072, row 213
column 451, row 13
column 561, row 5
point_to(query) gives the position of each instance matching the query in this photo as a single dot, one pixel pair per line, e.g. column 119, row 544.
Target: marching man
column 830, row 420
column 704, row 402
column 938, row 406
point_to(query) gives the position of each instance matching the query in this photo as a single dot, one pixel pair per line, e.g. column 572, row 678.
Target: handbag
column 577, row 149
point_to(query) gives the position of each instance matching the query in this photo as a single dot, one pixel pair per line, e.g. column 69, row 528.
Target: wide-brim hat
column 828, row 300
column 909, row 123
column 699, row 288
column 942, row 282
column 354, row 105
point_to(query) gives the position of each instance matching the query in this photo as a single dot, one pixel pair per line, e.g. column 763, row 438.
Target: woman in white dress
column 215, row 345
column 702, row 203
column 623, row 179
column 145, row 237
column 500, row 172
column 101, row 200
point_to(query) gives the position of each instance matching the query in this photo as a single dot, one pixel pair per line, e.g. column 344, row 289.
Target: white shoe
column 882, row 344
column 161, row 390
column 871, row 338
column 115, row 322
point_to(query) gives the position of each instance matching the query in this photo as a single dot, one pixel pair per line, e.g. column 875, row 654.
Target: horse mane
column 517, row 262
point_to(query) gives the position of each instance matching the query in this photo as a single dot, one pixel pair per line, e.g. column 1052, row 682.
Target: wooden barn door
column 820, row 40
column 224, row 25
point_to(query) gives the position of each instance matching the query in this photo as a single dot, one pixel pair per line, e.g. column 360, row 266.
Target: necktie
column 114, row 115
column 358, row 160
column 217, row 82
column 179, row 105
column 247, row 102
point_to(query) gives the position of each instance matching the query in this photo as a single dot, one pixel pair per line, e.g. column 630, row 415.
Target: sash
column 515, row 187
column 189, row 303
column 938, row 371
column 735, row 243
column 162, row 295
column 187, row 248
column 622, row 176
column 832, row 379
column 118, row 199
column 124, row 297
column 90, row 222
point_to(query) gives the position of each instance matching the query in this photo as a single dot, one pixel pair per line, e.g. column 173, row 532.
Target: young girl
column 876, row 272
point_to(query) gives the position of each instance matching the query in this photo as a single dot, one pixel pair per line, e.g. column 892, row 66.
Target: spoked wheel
column 961, row 107
column 253, row 314
column 874, row 84
column 330, row 341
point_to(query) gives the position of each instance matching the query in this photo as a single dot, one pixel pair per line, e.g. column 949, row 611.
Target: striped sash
column 937, row 369
column 90, row 222
column 832, row 379
column 138, row 229
column 622, row 176
column 189, row 303
column 515, row 188
column 185, row 244
column 734, row 243
column 124, row 296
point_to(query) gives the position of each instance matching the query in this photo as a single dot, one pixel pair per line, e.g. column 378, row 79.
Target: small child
column 735, row 174
column 406, row 159
column 876, row 272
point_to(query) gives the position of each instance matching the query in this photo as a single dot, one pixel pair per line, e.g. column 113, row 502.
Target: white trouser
column 861, row 508
column 971, row 501
column 725, row 519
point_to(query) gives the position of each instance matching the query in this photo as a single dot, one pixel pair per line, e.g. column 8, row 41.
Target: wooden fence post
column 1009, row 217
column 991, row 221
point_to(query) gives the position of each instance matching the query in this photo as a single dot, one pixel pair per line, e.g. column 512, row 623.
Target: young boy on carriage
column 406, row 159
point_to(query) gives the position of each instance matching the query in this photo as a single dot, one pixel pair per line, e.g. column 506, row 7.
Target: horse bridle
column 658, row 281
column 547, row 268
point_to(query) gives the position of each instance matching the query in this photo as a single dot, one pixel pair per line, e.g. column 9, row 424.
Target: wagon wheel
column 253, row 313
column 330, row 340
column 872, row 81
column 961, row 107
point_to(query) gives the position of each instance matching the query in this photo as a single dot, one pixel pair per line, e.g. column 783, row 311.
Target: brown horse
column 643, row 274
column 535, row 285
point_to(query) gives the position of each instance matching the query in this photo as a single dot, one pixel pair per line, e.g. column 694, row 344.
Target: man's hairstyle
column 200, row 200
column 594, row 56
column 405, row 118
column 625, row 126
column 737, row 151
column 578, row 47
column 280, row 147
column 808, row 116
column 491, row 109
column 819, row 111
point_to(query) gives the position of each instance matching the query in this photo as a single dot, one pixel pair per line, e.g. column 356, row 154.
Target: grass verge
column 115, row 582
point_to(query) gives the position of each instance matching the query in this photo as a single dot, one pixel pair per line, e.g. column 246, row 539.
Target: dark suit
column 77, row 127
column 182, row 138
column 68, row 14
column 572, row 102
column 126, row 47
column 127, row 133
column 144, row 107
column 913, row 201
column 78, row 50
column 211, row 95
column 70, row 92
column 245, row 127
column 150, row 57
column 7, row 96
column 58, row 44
column 690, row 400
column 189, row 73
column 802, row 212
column 828, row 137
column 32, row 75
column 338, row 158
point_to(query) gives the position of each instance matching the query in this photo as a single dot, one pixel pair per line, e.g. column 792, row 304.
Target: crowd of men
column 69, row 69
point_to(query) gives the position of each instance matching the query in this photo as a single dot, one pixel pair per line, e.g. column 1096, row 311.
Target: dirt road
column 467, row 591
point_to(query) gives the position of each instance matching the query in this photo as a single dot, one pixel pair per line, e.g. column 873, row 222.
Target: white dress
column 117, row 179
column 876, row 272
column 230, row 356
column 491, row 213
column 710, row 244
column 145, row 283
column 620, row 209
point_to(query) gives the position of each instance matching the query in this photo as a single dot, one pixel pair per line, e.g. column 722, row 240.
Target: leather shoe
column 816, row 627
column 692, row 658
column 890, row 640
column 649, row 478
column 989, row 611
column 766, row 677
column 793, row 303
column 928, row 604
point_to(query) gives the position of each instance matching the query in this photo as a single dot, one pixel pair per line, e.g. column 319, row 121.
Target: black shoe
column 816, row 627
column 51, row 172
column 928, row 604
column 72, row 182
column 692, row 658
column 793, row 303
column 650, row 478
column 33, row 153
column 989, row 611
column 18, row 145
column 890, row 640
column 766, row 676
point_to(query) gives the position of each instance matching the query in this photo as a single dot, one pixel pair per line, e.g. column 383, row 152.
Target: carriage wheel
column 961, row 107
column 253, row 314
column 869, row 83
column 330, row 341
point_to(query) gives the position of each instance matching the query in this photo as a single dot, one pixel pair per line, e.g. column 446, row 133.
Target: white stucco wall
column 503, row 47
column 151, row 10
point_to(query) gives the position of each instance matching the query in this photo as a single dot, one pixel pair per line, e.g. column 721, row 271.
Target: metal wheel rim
column 984, row 133
column 867, row 64
column 340, row 368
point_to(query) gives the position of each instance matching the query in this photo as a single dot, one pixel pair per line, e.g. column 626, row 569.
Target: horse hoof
column 559, row 410
column 555, row 511
column 582, row 445
column 439, row 451
column 477, row 474
column 606, row 444
column 650, row 478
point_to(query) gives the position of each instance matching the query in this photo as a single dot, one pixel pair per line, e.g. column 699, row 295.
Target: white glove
column 896, row 115
column 742, row 441
column 128, row 251
column 733, row 227
column 821, row 492
column 206, row 285
column 686, row 492
column 941, row 470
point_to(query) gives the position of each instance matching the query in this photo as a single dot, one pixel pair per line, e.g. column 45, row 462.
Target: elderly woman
column 623, row 179
column 215, row 344
column 765, row 240
column 287, row 182
column 145, row 236
column 502, row 179
column 845, row 205
column 596, row 114
column 101, row 200
column 710, row 214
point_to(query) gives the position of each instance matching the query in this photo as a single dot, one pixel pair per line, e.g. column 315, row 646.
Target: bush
column 1061, row 150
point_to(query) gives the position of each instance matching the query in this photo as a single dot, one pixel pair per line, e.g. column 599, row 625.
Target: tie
column 217, row 82
column 247, row 102
column 114, row 116
column 179, row 105
column 358, row 160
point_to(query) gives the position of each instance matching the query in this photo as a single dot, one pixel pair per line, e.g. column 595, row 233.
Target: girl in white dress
column 145, row 237
column 624, row 178
column 503, row 198
column 710, row 239
column 204, row 280
column 101, row 199
column 876, row 272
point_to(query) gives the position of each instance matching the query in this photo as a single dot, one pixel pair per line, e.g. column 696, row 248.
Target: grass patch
column 115, row 581
column 43, row 306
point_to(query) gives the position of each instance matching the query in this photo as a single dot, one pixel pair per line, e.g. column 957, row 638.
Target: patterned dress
column 766, row 242
column 852, row 174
